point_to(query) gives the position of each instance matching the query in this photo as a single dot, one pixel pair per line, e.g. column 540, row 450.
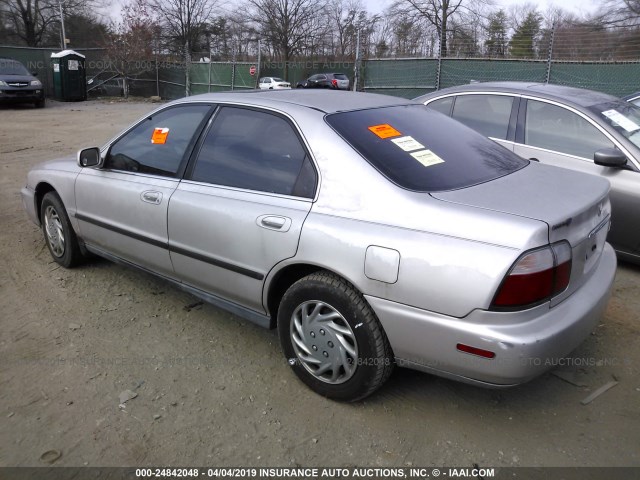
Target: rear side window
column 442, row 105
column 422, row 150
column 255, row 150
column 487, row 114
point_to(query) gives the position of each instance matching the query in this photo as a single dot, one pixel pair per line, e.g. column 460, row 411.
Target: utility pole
column 356, row 66
column 64, row 35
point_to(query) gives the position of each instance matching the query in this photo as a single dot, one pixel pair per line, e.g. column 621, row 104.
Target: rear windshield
column 423, row 150
column 11, row 67
column 340, row 76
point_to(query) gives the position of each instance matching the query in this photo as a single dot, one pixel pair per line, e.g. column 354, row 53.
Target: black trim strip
column 181, row 251
column 122, row 231
column 217, row 263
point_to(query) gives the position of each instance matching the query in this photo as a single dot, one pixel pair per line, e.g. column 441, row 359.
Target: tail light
column 537, row 276
column 334, row 82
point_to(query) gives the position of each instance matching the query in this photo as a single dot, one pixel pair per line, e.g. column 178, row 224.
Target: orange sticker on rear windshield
column 160, row 136
column 385, row 131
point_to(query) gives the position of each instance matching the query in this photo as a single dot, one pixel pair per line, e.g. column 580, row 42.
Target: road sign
column 252, row 70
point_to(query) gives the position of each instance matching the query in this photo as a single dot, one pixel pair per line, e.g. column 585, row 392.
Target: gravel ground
column 212, row 389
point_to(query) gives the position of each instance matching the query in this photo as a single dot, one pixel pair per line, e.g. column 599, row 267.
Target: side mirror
column 35, row 74
column 89, row 157
column 610, row 157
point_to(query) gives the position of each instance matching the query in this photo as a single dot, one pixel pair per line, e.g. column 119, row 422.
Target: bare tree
column 184, row 21
column 348, row 17
column 438, row 13
column 289, row 25
column 30, row 20
column 620, row 12
column 129, row 42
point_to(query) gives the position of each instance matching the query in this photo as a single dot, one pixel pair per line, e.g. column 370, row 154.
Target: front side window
column 555, row 128
column 255, row 150
column 624, row 117
column 487, row 114
column 158, row 144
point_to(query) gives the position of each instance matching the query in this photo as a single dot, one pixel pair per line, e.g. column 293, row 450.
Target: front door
column 122, row 207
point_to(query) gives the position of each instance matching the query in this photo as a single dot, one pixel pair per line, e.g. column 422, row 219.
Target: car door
column 560, row 136
column 240, row 209
column 492, row 115
column 122, row 207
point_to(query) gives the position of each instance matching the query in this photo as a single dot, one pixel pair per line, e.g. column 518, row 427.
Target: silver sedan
column 368, row 230
column 573, row 128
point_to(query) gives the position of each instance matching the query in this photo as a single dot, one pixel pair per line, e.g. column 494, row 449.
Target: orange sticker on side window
column 385, row 131
column 160, row 136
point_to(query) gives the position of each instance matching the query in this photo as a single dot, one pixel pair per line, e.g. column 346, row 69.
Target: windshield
column 11, row 67
column 623, row 116
column 277, row 79
column 423, row 150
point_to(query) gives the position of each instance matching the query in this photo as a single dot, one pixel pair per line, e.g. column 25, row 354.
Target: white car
column 273, row 83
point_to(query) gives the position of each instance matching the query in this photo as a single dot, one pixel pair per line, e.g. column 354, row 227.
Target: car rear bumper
column 525, row 343
column 29, row 204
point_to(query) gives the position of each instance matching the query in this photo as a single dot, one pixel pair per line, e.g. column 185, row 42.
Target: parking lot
column 213, row 389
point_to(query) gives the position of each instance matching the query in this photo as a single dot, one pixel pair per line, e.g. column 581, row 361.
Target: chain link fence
column 605, row 60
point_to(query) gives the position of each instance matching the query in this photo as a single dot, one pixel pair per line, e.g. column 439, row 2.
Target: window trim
column 195, row 152
column 106, row 150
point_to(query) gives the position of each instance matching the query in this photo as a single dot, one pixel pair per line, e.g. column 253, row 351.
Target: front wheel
column 58, row 232
column 332, row 339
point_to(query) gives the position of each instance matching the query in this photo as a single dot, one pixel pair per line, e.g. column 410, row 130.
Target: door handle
column 274, row 222
column 151, row 197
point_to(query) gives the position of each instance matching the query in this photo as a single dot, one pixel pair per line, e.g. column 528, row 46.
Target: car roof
column 577, row 96
column 326, row 101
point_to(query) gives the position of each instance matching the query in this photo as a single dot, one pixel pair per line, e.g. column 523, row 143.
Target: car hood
column 572, row 204
column 17, row 78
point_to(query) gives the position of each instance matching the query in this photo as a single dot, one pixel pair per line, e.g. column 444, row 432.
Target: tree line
column 285, row 30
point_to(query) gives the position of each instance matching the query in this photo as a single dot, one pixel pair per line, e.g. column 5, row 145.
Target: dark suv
column 17, row 85
column 337, row 81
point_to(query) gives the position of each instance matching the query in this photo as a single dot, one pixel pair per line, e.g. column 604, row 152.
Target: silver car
column 567, row 127
column 369, row 230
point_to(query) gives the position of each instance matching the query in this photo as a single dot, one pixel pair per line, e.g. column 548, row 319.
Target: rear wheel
column 58, row 232
column 332, row 339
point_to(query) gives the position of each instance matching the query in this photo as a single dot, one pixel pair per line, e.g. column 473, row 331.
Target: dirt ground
column 213, row 389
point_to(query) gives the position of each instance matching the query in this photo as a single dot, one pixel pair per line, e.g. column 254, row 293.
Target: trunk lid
column 575, row 207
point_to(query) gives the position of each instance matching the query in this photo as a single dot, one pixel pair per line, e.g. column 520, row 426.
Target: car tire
column 343, row 356
column 40, row 103
column 58, row 233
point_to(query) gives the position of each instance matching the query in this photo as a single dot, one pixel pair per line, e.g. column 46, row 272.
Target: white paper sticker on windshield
column 624, row 122
column 427, row 158
column 408, row 144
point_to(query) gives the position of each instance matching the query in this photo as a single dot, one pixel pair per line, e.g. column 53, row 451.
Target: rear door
column 560, row 136
column 122, row 208
column 240, row 209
